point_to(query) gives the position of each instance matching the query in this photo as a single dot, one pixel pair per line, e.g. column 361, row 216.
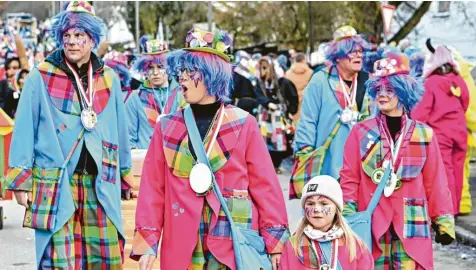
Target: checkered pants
column 202, row 258
column 393, row 255
column 88, row 240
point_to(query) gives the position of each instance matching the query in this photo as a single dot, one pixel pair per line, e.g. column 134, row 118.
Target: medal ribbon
column 349, row 97
column 216, row 130
column 322, row 258
column 84, row 97
column 394, row 147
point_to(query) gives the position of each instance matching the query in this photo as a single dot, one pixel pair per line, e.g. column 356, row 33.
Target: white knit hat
column 323, row 185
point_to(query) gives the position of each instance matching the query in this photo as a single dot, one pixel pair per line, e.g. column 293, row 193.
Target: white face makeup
column 320, row 212
column 77, row 45
column 157, row 75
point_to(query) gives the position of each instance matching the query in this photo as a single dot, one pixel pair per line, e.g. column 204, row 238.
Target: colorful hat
column 395, row 63
column 438, row 57
column 81, row 6
column 343, row 32
column 203, row 41
column 153, row 46
column 117, row 57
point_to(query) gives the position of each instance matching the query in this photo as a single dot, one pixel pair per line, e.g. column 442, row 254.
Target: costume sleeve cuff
column 125, row 172
column 275, row 238
column 145, row 242
column 19, row 179
column 446, row 224
column 304, row 169
column 350, row 207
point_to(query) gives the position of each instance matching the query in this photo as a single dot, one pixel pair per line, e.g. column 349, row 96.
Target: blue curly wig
column 92, row 25
column 417, row 61
column 408, row 90
column 369, row 60
column 217, row 73
column 121, row 70
column 341, row 48
column 145, row 60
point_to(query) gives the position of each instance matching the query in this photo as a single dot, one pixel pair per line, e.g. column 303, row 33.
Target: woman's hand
column 146, row 262
column 275, row 258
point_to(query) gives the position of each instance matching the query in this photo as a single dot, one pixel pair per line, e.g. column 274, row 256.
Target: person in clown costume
column 69, row 152
column 334, row 100
column 156, row 97
column 118, row 62
column 416, row 195
column 177, row 208
column 443, row 108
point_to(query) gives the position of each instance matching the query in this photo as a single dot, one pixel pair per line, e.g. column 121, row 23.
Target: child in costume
column 416, row 195
column 156, row 97
column 334, row 100
column 118, row 62
column 323, row 239
column 69, row 151
column 443, row 108
column 180, row 210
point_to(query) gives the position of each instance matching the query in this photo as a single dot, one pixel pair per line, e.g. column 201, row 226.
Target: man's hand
column 22, row 197
column 275, row 259
column 146, row 262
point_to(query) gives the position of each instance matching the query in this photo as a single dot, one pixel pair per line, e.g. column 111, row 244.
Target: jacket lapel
column 176, row 146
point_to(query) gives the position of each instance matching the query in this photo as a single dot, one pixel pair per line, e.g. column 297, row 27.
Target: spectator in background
column 13, row 96
column 243, row 94
column 283, row 62
column 12, row 66
column 299, row 74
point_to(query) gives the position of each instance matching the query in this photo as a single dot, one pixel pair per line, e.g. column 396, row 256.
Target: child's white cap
column 323, row 185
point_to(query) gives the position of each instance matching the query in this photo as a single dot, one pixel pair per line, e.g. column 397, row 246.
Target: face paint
column 386, row 92
column 326, row 210
column 156, row 71
column 75, row 37
column 196, row 77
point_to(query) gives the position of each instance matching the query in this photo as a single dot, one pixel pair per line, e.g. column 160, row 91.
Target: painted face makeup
column 326, row 210
column 386, row 92
column 195, row 76
column 75, row 37
column 153, row 70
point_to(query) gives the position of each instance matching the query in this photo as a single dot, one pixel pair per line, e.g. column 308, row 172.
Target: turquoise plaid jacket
column 46, row 128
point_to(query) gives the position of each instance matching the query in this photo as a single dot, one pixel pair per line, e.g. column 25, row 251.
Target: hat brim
column 156, row 53
column 210, row 50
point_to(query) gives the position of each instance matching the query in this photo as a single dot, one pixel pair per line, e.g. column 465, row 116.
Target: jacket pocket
column 239, row 205
column 109, row 162
column 415, row 218
column 42, row 211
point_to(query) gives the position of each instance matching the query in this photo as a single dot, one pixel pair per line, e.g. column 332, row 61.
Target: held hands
column 146, row 262
column 23, row 197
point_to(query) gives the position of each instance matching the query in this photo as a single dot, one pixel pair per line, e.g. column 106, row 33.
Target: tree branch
column 412, row 22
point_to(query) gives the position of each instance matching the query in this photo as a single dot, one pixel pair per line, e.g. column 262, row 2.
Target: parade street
column 17, row 243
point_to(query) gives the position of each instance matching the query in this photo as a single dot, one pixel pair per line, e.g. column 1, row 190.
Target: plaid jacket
column 47, row 127
column 423, row 197
column 245, row 174
column 320, row 110
column 143, row 107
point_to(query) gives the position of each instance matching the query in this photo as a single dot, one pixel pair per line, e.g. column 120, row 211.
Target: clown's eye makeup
column 326, row 210
column 155, row 70
column 385, row 92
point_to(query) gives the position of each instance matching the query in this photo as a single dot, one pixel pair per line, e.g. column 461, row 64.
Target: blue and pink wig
column 417, row 62
column 369, row 60
column 145, row 60
column 339, row 49
column 91, row 25
column 396, row 76
column 121, row 70
column 216, row 72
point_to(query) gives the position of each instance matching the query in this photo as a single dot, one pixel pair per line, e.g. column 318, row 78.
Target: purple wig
column 144, row 61
column 121, row 70
column 408, row 90
column 217, row 73
column 341, row 48
column 91, row 25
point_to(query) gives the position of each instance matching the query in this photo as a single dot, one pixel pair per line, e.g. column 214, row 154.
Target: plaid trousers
column 393, row 255
column 88, row 240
